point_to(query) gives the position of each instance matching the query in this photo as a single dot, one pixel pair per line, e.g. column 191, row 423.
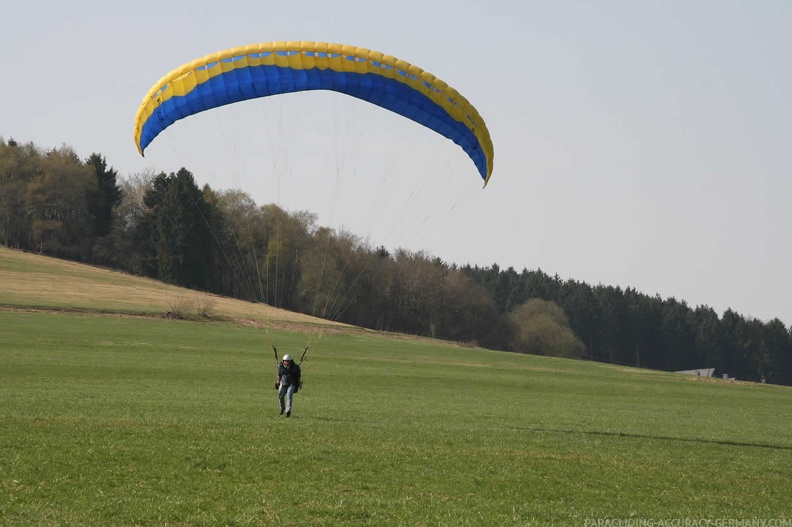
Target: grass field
column 133, row 420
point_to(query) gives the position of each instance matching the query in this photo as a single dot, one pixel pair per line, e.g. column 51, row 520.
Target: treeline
column 624, row 326
column 165, row 226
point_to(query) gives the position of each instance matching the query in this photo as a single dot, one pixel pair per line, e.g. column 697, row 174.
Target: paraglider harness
column 278, row 362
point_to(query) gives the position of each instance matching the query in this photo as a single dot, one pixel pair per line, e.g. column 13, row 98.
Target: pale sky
column 637, row 144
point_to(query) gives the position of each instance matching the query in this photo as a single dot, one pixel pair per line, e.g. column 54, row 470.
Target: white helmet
column 287, row 357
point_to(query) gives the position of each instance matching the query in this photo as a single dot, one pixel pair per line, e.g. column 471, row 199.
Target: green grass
column 133, row 421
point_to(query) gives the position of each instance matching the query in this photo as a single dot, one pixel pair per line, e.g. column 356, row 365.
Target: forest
column 165, row 226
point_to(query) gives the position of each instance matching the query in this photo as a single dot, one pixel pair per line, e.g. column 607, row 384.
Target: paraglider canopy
column 272, row 68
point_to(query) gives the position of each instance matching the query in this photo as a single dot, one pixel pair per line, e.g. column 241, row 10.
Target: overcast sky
column 639, row 144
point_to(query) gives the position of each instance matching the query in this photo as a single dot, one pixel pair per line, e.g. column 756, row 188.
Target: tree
column 775, row 352
column 133, row 227
column 613, row 319
column 541, row 328
column 350, row 278
column 707, row 338
column 678, row 336
column 242, row 239
column 479, row 318
column 58, row 200
column 18, row 166
column 580, row 305
column 178, row 225
column 102, row 201
column 287, row 236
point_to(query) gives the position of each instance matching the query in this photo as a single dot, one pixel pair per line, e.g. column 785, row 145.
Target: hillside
column 31, row 281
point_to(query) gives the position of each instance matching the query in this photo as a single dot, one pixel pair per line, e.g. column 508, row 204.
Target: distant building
column 702, row 372
column 705, row 372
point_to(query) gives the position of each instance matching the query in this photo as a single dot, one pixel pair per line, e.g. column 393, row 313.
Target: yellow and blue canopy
column 260, row 70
